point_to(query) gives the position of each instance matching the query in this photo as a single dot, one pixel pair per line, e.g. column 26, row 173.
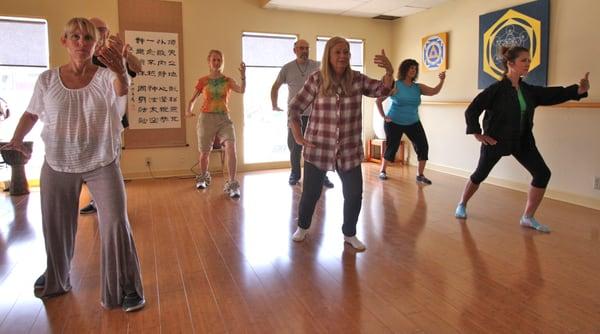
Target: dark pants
column 525, row 152
column 352, row 189
column 296, row 150
column 414, row 132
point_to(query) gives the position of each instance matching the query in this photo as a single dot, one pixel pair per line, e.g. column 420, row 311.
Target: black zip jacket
column 502, row 119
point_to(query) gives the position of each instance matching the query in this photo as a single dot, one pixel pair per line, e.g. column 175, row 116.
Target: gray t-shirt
column 294, row 75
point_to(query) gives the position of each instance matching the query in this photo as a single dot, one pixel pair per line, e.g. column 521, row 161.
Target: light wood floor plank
column 211, row 264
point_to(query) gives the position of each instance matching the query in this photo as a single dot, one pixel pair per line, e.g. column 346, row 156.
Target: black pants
column 295, row 149
column 414, row 132
column 352, row 189
column 526, row 154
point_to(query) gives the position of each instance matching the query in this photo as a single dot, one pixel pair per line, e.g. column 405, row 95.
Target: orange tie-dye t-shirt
column 215, row 93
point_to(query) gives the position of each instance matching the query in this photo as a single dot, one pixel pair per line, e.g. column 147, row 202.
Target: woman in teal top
column 403, row 116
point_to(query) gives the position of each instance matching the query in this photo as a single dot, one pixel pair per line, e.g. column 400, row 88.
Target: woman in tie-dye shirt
column 214, row 121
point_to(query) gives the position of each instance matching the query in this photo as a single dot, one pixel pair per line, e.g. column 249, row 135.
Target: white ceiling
column 361, row 8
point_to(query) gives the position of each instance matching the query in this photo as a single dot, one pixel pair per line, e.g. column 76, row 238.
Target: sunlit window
column 356, row 52
column 265, row 130
column 23, row 56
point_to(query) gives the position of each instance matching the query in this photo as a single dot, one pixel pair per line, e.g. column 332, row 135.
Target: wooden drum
column 17, row 160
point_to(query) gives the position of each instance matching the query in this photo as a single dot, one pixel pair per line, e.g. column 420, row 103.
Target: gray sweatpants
column 119, row 269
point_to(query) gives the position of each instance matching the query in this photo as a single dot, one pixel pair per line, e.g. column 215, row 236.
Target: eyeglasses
column 76, row 37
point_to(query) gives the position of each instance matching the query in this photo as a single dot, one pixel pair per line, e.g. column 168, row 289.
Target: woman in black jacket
column 509, row 105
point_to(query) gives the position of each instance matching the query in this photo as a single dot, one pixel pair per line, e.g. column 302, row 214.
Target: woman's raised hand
column 584, row 84
column 242, row 70
column 382, row 60
column 112, row 57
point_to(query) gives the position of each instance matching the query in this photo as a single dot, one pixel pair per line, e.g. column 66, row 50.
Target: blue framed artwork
column 525, row 25
column 434, row 54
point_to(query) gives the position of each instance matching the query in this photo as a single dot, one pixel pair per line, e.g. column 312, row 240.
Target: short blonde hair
column 82, row 24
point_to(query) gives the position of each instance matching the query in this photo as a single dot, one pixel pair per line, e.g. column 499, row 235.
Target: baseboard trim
column 585, row 201
column 159, row 174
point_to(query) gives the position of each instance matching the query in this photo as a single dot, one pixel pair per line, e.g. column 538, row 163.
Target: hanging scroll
column 154, row 94
column 154, row 31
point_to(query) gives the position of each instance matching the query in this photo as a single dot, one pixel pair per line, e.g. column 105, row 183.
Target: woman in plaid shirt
column 332, row 140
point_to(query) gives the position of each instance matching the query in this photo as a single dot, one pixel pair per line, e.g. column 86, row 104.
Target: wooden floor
column 215, row 265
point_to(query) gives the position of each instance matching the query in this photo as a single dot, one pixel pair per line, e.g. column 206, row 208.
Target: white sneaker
column 355, row 243
column 232, row 188
column 202, row 181
column 300, row 234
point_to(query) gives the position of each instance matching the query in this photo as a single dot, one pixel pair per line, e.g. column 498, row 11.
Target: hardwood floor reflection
column 211, row 264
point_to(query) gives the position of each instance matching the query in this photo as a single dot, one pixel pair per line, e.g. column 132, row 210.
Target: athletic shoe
column 232, row 188
column 300, row 234
column 531, row 222
column 40, row 283
column 382, row 176
column 355, row 243
column 133, row 302
column 461, row 211
column 293, row 180
column 422, row 179
column 327, row 183
column 202, row 181
column 88, row 209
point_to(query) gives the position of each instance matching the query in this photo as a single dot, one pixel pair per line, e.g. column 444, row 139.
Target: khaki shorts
column 211, row 126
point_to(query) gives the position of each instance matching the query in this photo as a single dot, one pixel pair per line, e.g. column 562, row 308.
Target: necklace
column 302, row 72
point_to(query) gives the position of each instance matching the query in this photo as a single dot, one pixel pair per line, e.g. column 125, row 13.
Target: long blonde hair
column 329, row 85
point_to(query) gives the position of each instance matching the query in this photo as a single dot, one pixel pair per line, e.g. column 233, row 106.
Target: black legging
column 525, row 152
column 295, row 148
column 414, row 132
column 352, row 189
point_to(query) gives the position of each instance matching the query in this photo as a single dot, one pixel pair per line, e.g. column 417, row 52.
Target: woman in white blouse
column 81, row 106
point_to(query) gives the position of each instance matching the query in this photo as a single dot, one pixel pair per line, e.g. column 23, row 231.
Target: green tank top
column 523, row 107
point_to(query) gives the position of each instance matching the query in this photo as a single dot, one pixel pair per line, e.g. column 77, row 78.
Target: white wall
column 567, row 137
column 209, row 25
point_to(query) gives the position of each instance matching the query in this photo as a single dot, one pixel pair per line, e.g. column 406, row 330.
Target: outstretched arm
column 242, row 87
column 547, row 96
column 190, row 108
column 430, row 91
column 382, row 60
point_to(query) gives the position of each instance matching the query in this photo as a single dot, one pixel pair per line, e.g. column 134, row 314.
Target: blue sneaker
column 533, row 223
column 461, row 211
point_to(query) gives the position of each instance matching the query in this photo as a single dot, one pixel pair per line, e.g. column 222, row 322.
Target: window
column 265, row 130
column 356, row 52
column 23, row 56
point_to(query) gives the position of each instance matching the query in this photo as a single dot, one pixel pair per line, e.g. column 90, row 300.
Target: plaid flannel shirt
column 335, row 123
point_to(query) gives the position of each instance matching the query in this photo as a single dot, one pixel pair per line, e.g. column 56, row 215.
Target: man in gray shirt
column 294, row 74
